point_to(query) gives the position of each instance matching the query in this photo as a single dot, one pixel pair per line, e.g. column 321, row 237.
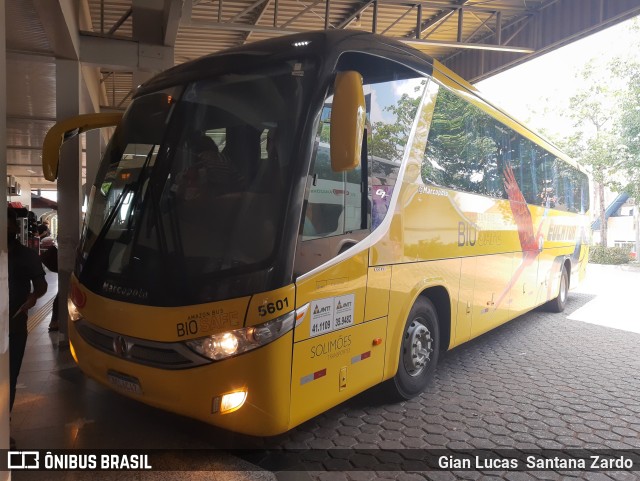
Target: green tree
column 629, row 70
column 596, row 142
column 461, row 149
column 388, row 140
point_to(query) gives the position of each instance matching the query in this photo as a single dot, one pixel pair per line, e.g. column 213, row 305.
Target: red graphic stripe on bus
column 314, row 376
column 530, row 242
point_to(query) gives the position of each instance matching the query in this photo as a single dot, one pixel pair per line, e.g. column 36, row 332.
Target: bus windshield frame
column 193, row 188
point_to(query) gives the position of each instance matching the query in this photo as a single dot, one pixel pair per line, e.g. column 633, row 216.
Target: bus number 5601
column 273, row 307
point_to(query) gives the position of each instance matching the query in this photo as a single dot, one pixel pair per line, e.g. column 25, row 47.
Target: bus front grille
column 163, row 355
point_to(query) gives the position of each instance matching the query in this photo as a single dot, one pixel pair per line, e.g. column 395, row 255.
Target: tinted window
column 468, row 150
column 335, row 205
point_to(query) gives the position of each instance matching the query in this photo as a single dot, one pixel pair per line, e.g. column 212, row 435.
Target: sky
column 522, row 90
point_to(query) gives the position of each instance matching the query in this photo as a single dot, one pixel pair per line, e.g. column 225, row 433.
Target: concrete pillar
column 94, row 154
column 68, row 78
column 4, row 281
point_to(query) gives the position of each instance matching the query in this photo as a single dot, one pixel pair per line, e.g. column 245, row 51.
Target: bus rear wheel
column 419, row 351
column 559, row 303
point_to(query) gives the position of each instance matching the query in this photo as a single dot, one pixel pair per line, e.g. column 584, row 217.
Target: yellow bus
column 278, row 227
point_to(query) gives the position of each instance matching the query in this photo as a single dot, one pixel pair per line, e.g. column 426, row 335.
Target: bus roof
column 324, row 44
column 329, row 45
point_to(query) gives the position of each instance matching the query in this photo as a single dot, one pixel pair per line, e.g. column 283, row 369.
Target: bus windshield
column 193, row 187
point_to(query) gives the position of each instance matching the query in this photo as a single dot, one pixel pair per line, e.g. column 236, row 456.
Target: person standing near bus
column 25, row 271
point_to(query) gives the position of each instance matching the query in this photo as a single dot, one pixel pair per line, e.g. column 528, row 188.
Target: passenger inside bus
column 209, row 172
column 242, row 151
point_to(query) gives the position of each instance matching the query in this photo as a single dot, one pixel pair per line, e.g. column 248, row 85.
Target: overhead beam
column 397, row 20
column 30, row 56
column 261, row 11
column 466, row 45
column 26, row 118
column 355, row 13
column 171, row 21
column 120, row 21
column 250, row 8
column 24, row 147
column 301, row 13
column 60, row 22
column 552, row 26
column 147, row 21
column 511, row 9
column 243, row 27
column 124, row 55
column 436, row 19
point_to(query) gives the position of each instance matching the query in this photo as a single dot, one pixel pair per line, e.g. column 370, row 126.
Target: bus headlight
column 74, row 313
column 227, row 344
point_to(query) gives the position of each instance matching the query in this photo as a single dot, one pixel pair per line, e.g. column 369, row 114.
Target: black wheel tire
column 559, row 303
column 418, row 353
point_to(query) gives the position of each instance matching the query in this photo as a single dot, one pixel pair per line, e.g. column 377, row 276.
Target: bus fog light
column 229, row 402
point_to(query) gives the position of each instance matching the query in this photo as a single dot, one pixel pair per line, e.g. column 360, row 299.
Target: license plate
column 124, row 382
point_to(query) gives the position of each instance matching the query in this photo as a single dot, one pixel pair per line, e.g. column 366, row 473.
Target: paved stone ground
column 542, row 381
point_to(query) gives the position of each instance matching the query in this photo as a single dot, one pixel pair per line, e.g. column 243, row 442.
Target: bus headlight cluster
column 74, row 313
column 227, row 344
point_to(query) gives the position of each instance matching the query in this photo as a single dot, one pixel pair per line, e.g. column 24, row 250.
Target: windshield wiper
column 112, row 216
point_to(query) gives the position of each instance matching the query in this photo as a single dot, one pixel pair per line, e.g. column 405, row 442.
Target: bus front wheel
column 558, row 304
column 419, row 349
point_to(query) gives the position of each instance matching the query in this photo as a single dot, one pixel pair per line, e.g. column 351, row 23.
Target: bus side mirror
column 67, row 129
column 348, row 117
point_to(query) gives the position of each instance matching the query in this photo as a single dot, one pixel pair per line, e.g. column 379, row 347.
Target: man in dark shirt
column 25, row 269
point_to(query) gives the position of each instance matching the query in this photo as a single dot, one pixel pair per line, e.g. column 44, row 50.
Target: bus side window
column 392, row 95
column 325, row 205
column 341, row 208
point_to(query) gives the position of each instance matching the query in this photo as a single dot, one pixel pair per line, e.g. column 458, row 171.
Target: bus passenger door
column 338, row 351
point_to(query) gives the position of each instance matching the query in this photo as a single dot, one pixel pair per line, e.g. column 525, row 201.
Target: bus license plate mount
column 124, row 382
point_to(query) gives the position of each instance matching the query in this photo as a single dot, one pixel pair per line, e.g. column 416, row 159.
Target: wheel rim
column 563, row 287
column 417, row 347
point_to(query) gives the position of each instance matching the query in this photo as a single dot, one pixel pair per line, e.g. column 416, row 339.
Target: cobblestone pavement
column 541, row 381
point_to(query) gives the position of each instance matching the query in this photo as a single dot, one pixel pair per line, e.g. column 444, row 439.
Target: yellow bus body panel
column 332, row 364
column 408, row 281
column 265, row 306
column 264, row 372
column 378, row 288
column 346, row 278
column 163, row 323
column 334, row 367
